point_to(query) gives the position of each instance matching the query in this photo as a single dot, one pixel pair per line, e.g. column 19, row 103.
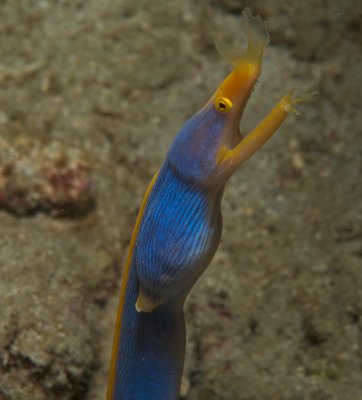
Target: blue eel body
column 179, row 232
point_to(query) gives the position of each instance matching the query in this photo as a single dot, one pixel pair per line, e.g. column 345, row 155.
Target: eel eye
column 223, row 104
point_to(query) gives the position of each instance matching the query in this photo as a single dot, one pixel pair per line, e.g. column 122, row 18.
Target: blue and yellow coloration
column 179, row 227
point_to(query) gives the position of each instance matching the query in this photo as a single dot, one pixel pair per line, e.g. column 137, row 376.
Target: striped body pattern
column 179, row 234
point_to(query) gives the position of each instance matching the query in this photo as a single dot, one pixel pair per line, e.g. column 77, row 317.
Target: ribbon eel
column 179, row 227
